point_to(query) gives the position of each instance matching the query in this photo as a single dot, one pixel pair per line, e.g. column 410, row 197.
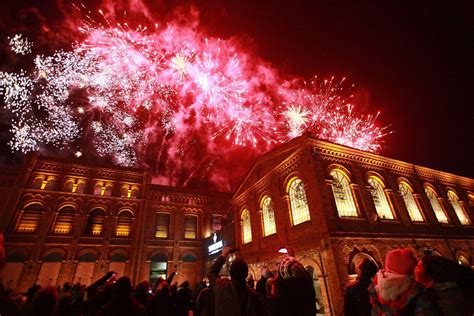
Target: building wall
column 128, row 255
column 335, row 243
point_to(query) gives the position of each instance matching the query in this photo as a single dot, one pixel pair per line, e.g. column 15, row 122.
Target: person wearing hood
column 394, row 290
column 356, row 295
column 452, row 284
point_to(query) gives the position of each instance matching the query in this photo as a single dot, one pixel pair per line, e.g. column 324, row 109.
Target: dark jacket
column 356, row 298
column 233, row 298
column 293, row 296
column 450, row 299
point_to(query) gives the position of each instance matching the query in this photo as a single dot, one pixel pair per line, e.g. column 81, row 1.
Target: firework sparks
column 20, row 45
column 133, row 90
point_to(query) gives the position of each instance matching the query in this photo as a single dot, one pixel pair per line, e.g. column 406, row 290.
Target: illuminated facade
column 332, row 204
column 68, row 222
column 335, row 205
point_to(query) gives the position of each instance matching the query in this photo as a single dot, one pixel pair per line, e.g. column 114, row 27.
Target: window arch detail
column 458, row 208
column 123, row 226
column 382, row 206
column 343, row 194
column 95, row 223
column 64, row 221
column 412, row 207
column 436, row 205
column 268, row 216
column 29, row 219
column 298, row 202
column 246, row 227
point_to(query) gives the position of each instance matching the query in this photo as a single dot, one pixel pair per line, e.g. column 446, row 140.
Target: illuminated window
column 68, row 186
column 190, row 227
column 29, row 219
column 98, row 189
column 380, row 198
column 463, row 218
column 437, row 208
column 38, row 183
column 95, row 223
column 162, row 225
column 268, row 216
column 298, row 201
column 64, row 221
column 124, row 224
column 50, row 183
column 246, row 227
column 108, row 190
column 343, row 194
column 80, row 186
column 216, row 222
column 410, row 203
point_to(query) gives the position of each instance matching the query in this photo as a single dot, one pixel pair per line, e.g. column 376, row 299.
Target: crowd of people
column 406, row 286
column 433, row 285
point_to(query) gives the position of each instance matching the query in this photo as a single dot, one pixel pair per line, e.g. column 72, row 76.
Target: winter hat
column 401, row 261
column 289, row 267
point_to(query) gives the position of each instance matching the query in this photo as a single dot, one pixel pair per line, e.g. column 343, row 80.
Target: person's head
column 289, row 268
column 142, row 287
column 45, row 301
column 185, row 284
column 122, row 288
column 438, row 269
column 401, row 261
column 239, row 270
column 32, row 291
column 367, row 268
column 163, row 289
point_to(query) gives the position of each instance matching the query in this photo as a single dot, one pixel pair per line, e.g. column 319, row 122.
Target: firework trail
column 168, row 98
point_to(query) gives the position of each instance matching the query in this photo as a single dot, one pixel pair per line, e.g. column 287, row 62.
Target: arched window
column 190, row 227
column 343, row 194
column 81, row 184
column 158, row 267
column 437, row 208
column 29, row 219
column 412, row 207
column 298, row 202
column 382, row 206
column 124, row 224
column 246, row 227
column 189, row 257
column 53, row 257
column 64, row 221
column 95, row 223
column 38, row 183
column 118, row 257
column 454, row 200
column 268, row 216
column 68, row 186
column 162, row 225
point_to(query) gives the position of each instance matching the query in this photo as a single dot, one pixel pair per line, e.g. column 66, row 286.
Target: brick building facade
column 332, row 204
column 335, row 205
column 70, row 222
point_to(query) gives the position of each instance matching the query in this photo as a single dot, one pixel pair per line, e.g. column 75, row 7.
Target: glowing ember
column 172, row 99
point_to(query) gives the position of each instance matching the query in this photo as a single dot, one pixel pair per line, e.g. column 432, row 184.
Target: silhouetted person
column 122, row 302
column 45, row 302
column 233, row 297
column 452, row 284
column 394, row 290
column 262, row 282
column 292, row 291
column 205, row 302
column 356, row 294
column 183, row 299
column 161, row 304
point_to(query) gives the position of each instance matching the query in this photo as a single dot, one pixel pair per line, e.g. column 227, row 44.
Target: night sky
column 412, row 60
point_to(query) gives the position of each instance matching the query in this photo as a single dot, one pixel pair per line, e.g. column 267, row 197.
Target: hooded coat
column 393, row 294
